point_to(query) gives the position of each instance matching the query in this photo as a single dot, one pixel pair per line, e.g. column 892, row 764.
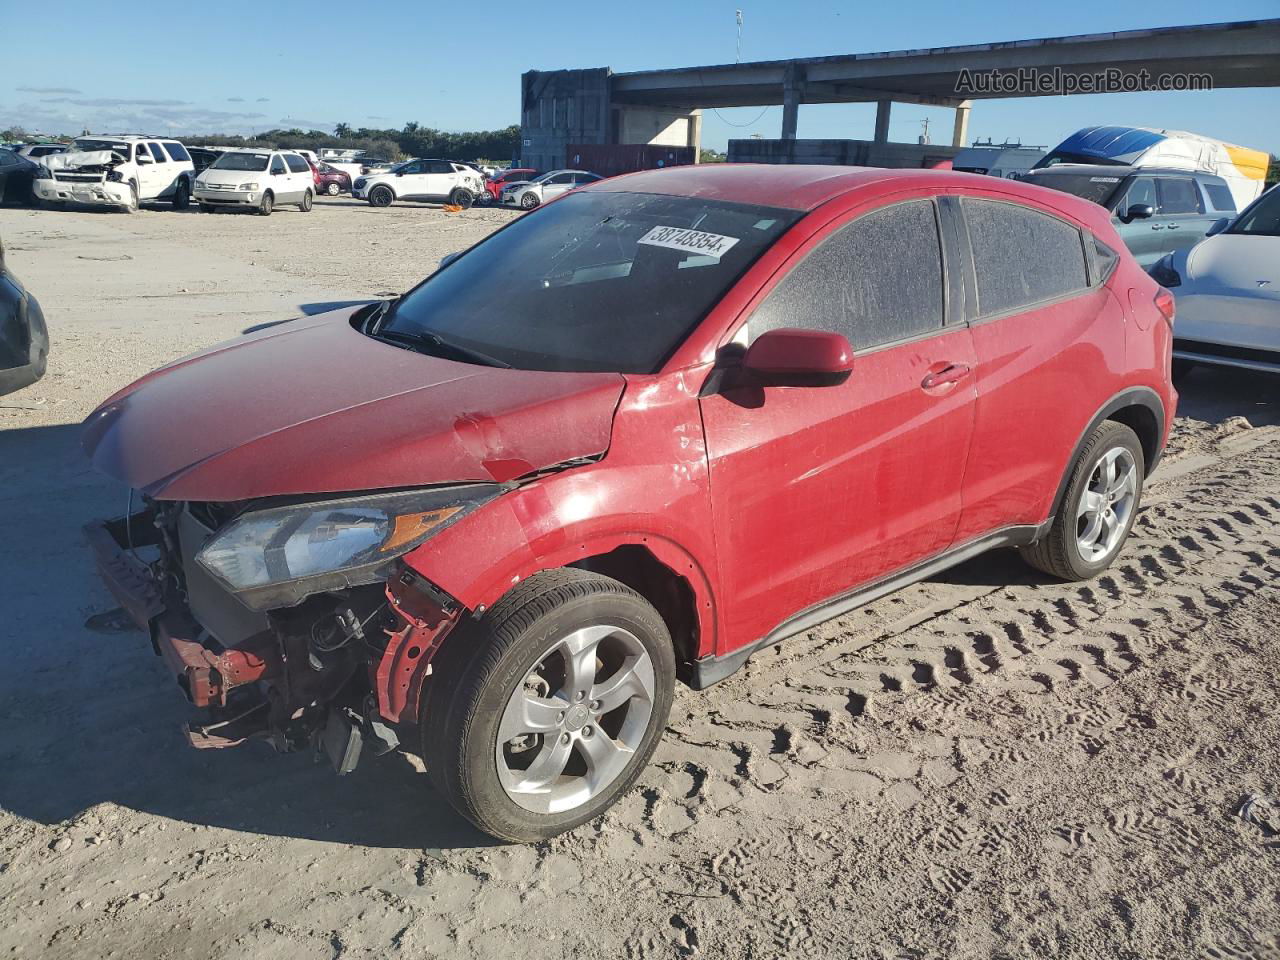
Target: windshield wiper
column 417, row 341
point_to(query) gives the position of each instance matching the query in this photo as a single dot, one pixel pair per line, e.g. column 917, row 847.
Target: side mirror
column 1217, row 226
column 144, row 159
column 448, row 258
column 1139, row 211
column 798, row 358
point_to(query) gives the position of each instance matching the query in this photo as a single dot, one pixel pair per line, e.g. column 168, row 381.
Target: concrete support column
column 960, row 133
column 695, row 133
column 792, row 95
column 882, row 120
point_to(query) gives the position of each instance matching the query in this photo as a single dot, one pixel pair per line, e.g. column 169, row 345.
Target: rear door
column 155, row 179
column 1182, row 210
column 1046, row 333
column 301, row 179
column 818, row 490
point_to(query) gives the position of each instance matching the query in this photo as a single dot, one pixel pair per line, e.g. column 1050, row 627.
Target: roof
column 790, row 186
column 1120, row 171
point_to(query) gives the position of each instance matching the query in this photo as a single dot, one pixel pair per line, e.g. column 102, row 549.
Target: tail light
column 1164, row 303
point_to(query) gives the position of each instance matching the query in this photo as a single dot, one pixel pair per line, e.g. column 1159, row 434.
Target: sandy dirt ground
column 987, row 764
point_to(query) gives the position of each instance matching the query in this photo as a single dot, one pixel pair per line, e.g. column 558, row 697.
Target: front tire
column 544, row 714
column 529, row 200
column 1098, row 509
column 131, row 205
column 266, row 204
column 381, row 196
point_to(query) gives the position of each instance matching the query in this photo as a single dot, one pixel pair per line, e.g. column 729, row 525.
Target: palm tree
column 342, row 130
column 411, row 127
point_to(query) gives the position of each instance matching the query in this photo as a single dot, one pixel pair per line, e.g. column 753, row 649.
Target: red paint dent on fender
column 651, row 490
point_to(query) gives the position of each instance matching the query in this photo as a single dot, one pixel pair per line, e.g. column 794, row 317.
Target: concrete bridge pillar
column 883, row 107
column 960, row 133
column 792, row 95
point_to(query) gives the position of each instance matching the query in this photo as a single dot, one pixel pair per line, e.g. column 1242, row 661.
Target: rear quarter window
column 176, row 151
column 1022, row 256
column 1220, row 196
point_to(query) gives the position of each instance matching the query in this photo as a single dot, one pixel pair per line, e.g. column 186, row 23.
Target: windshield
column 88, row 145
column 595, row 281
column 1090, row 187
column 1263, row 218
column 241, row 161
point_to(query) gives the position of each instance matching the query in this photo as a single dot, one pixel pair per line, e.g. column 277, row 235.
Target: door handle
column 1157, row 226
column 1173, row 226
column 951, row 373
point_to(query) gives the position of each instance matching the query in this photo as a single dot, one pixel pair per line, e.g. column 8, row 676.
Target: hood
column 1237, row 261
column 314, row 406
column 232, row 177
column 73, row 159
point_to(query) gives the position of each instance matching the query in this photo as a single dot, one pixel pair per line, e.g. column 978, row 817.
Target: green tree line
column 412, row 140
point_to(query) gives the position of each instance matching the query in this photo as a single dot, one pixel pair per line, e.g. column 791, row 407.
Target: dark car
column 203, row 157
column 1156, row 210
column 24, row 339
column 16, row 176
column 661, row 423
column 331, row 180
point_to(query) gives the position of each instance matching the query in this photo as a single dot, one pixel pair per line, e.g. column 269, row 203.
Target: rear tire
column 1096, row 505
column 481, row 681
column 381, row 196
column 332, row 189
column 182, row 196
column 461, row 197
column 266, row 204
column 307, row 200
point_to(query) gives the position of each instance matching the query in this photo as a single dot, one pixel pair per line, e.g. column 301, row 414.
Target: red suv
column 493, row 185
column 501, row 519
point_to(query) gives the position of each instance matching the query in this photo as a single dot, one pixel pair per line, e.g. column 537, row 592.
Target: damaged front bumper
column 104, row 193
column 276, row 684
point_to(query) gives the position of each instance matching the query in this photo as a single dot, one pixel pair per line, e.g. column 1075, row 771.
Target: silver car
column 1227, row 292
column 528, row 194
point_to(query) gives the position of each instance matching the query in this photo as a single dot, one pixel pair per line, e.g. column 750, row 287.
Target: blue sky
column 315, row 64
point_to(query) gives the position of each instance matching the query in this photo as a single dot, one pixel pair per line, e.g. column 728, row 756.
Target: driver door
column 819, row 490
column 560, row 183
column 412, row 180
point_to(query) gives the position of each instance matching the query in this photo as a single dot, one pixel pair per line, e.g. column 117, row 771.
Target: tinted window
column 586, row 178
column 1220, row 196
column 439, row 166
column 296, row 163
column 1141, row 190
column 158, row 153
column 605, row 281
column 1104, row 258
column 1178, row 195
column 877, row 280
column 277, row 165
column 176, row 151
column 1262, row 217
column 8, row 158
column 1021, row 256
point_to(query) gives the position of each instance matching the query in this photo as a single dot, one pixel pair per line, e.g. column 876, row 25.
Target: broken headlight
column 277, row 556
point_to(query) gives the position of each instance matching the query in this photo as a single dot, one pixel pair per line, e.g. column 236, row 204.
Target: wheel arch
column 1140, row 409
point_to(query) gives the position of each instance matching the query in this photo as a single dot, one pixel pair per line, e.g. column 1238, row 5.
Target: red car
column 330, row 180
column 493, row 185
column 705, row 409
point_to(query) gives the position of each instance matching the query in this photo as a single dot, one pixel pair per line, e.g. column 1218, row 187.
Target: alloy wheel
column 573, row 724
column 1106, row 505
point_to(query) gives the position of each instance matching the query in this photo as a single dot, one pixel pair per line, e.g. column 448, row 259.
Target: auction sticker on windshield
column 690, row 241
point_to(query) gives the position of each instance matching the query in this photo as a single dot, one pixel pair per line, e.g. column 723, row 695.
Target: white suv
column 421, row 179
column 117, row 171
column 256, row 179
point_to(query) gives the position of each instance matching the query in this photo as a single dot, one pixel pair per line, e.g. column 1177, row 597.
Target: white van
column 1007, row 161
column 256, row 179
column 1244, row 170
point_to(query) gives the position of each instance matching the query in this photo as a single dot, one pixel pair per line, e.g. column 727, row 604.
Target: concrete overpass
column 564, row 107
column 1245, row 54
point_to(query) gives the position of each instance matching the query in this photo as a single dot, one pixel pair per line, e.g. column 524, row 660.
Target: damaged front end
column 275, row 619
column 83, row 176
